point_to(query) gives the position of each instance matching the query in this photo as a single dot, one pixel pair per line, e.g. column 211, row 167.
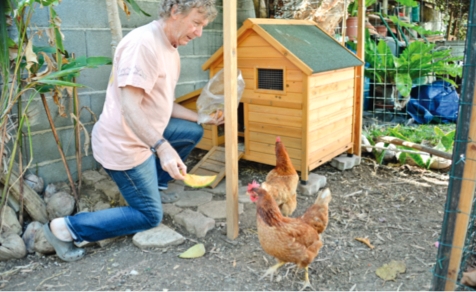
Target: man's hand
column 218, row 118
column 171, row 161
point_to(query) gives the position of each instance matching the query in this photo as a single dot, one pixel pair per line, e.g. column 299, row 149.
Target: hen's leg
column 272, row 270
column 306, row 282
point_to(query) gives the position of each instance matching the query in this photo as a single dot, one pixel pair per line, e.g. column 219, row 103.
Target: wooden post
column 231, row 114
column 463, row 179
column 359, row 81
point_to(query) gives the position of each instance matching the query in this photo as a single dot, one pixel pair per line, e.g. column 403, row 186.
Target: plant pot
column 382, row 30
column 351, row 28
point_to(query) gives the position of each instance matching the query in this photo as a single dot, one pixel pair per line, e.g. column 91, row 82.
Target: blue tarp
column 436, row 102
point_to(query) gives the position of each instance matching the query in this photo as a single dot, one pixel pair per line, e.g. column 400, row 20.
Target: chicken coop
column 300, row 85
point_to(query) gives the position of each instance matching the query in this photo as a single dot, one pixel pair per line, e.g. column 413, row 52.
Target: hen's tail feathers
column 323, row 197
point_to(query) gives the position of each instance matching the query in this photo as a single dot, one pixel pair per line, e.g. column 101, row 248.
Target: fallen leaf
column 389, row 272
column 366, row 241
column 195, row 251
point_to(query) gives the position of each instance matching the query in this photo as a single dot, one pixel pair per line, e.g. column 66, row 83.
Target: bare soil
column 399, row 209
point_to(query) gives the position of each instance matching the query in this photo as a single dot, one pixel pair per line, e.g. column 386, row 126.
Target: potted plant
column 352, row 19
column 418, row 60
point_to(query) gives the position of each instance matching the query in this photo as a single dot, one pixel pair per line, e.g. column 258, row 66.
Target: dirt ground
column 399, row 209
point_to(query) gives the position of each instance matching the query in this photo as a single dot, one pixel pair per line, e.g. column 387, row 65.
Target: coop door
column 270, row 79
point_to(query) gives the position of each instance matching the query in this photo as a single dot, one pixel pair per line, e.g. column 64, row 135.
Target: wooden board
column 213, row 163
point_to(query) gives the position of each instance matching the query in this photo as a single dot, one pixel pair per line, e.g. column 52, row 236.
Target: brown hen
column 282, row 181
column 290, row 240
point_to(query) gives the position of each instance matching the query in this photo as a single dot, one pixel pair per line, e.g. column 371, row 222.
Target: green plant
column 28, row 72
column 353, row 7
column 419, row 59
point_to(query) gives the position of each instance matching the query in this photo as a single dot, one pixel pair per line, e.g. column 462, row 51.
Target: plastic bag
column 212, row 100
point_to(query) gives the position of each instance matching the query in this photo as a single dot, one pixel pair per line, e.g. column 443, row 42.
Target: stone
column 344, row 162
column 35, row 182
column 110, row 189
column 30, row 234
column 195, row 222
column 10, row 221
column 60, row 204
column 11, row 246
column 50, row 190
column 160, row 236
column 313, row 184
column 42, row 245
column 171, row 209
column 217, row 209
column 101, row 206
column 193, row 198
column 221, row 187
column 90, row 177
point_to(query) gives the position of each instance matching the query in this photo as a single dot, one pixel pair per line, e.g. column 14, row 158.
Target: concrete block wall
column 86, row 33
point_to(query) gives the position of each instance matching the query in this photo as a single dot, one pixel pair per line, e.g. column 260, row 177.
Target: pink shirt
column 145, row 59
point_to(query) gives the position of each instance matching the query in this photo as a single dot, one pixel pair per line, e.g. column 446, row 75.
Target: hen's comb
column 253, row 185
column 278, row 139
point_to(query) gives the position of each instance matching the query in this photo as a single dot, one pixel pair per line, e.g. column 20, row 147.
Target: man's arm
column 181, row 112
column 131, row 98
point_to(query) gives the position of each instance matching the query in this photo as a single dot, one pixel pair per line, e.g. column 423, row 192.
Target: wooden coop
column 300, row 85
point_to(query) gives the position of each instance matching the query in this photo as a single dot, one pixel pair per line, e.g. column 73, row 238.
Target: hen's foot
column 272, row 270
column 306, row 282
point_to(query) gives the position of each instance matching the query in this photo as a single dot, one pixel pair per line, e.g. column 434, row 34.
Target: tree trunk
column 114, row 23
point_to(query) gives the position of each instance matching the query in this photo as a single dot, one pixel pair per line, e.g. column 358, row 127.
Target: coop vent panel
column 271, row 79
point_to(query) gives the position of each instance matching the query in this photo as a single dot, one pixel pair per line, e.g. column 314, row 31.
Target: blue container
column 367, row 99
column 416, row 13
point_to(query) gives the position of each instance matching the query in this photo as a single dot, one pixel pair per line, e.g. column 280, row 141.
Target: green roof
column 312, row 46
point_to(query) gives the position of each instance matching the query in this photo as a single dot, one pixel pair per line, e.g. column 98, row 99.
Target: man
column 142, row 136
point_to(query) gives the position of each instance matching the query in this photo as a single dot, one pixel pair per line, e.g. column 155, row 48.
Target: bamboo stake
column 60, row 150
column 231, row 113
column 396, row 141
column 77, row 134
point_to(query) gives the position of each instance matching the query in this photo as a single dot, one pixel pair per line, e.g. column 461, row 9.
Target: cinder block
column 183, row 89
column 55, row 171
column 344, row 162
column 86, row 14
column 97, row 103
column 209, row 43
column 98, row 43
column 313, row 184
column 191, row 69
column 95, row 79
column 75, row 41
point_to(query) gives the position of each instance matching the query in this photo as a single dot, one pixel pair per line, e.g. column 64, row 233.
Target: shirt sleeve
column 137, row 66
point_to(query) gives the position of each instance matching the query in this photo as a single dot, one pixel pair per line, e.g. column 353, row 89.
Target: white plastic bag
column 212, row 99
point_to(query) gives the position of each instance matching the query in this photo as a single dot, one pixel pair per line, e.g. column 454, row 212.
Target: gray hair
column 206, row 7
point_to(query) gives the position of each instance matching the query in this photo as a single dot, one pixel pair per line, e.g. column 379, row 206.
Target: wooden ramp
column 213, row 163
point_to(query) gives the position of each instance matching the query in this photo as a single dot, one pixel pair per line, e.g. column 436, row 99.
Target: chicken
column 294, row 240
column 282, row 181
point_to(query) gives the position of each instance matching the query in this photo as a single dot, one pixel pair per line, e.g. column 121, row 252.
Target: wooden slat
column 279, row 21
column 324, row 121
column 275, row 119
column 258, row 52
column 274, row 110
column 202, row 171
column 231, row 126
column 194, row 94
column 289, row 97
column 254, row 40
column 289, row 142
column 205, row 144
column 332, row 87
column 327, row 110
column 323, row 159
column 323, row 131
column 323, row 100
column 270, row 63
column 306, row 121
column 274, row 129
column 268, row 148
column 328, row 77
column 269, row 159
column 359, row 82
column 338, row 141
column 269, row 102
column 212, row 166
column 295, row 75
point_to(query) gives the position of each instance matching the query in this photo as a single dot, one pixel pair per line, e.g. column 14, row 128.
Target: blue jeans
column 139, row 187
